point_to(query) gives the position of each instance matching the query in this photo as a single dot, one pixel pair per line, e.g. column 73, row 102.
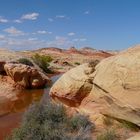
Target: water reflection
column 11, row 111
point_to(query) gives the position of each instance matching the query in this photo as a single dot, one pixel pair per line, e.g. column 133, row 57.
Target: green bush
column 129, row 125
column 42, row 61
column 78, row 121
column 48, row 121
column 25, row 61
column 77, row 63
column 107, row 135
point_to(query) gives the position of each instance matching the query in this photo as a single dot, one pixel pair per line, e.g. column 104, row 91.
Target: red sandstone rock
column 25, row 76
column 111, row 88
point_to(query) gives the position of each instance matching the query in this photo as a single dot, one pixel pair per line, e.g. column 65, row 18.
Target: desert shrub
column 108, row 121
column 78, row 121
column 25, row 61
column 77, row 63
column 48, row 121
column 108, row 135
column 93, row 63
column 129, row 125
column 42, row 61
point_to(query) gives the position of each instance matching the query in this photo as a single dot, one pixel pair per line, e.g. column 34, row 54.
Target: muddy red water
column 12, row 114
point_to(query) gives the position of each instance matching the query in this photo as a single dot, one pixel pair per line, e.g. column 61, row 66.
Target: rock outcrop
column 111, row 88
column 25, row 76
column 2, row 63
column 73, row 86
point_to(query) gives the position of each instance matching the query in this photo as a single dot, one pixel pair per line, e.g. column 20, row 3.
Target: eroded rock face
column 113, row 90
column 2, row 63
column 74, row 85
column 25, row 76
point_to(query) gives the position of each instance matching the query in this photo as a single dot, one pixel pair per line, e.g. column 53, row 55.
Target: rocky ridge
column 111, row 88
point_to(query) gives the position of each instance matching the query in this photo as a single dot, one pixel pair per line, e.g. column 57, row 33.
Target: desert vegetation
column 108, row 135
column 77, row 63
column 48, row 121
column 128, row 125
column 25, row 61
column 43, row 62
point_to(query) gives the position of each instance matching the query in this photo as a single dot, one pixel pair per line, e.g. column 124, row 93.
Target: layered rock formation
column 111, row 88
column 25, row 76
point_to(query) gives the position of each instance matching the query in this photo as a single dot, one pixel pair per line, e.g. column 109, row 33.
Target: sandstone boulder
column 25, row 76
column 112, row 88
column 74, row 85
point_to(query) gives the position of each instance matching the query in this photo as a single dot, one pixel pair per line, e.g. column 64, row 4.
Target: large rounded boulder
column 74, row 85
column 113, row 90
column 25, row 76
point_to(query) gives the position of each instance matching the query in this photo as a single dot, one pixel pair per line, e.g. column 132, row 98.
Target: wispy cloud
column 35, row 42
column 33, row 39
column 82, row 39
column 21, row 44
column 2, row 37
column 60, row 16
column 71, row 34
column 12, row 31
column 43, row 32
column 87, row 12
column 17, row 21
column 3, row 20
column 60, row 42
column 30, row 16
column 79, row 40
column 50, row 19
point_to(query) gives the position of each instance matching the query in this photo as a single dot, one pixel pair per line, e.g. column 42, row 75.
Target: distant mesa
column 51, row 49
column 87, row 49
column 73, row 50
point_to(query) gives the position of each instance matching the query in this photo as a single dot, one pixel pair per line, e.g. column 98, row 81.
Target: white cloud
column 60, row 16
column 60, row 42
column 17, row 21
column 82, row 39
column 79, row 40
column 22, row 44
column 75, row 40
column 49, row 32
column 13, row 31
column 87, row 12
column 3, row 20
column 43, row 32
column 32, row 39
column 71, row 34
column 2, row 37
column 30, row 16
column 50, row 19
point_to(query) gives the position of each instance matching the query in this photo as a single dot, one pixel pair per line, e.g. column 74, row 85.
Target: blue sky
column 101, row 24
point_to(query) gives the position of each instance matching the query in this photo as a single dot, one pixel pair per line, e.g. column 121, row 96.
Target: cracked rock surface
column 111, row 88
